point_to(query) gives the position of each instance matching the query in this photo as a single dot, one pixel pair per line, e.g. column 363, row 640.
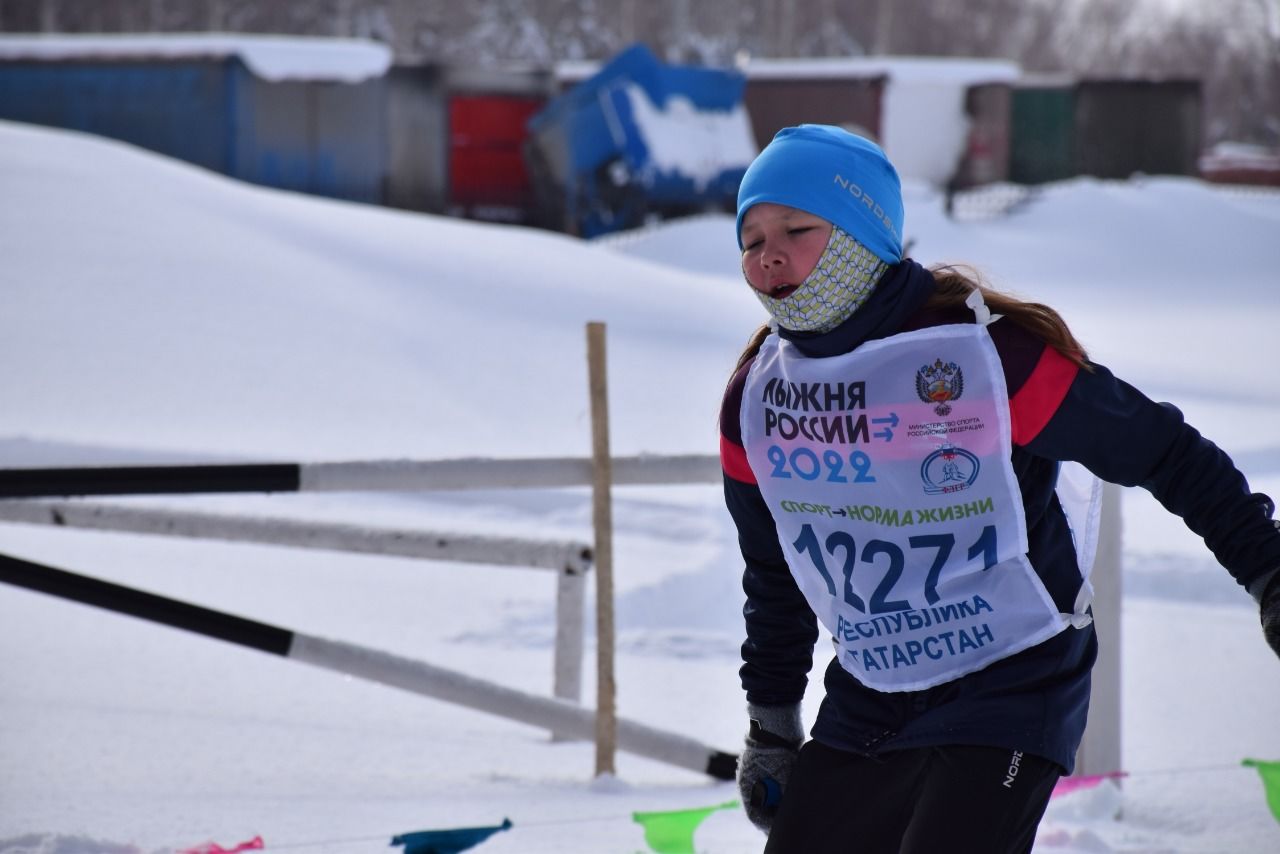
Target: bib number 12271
column 893, row 559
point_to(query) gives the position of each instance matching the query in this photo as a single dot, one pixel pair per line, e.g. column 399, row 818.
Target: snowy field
column 153, row 312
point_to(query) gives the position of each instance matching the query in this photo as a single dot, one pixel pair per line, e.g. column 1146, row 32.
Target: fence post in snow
column 1100, row 749
column 602, row 518
column 570, row 601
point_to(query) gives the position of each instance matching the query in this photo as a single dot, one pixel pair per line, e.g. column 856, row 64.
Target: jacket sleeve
column 781, row 628
column 1090, row 416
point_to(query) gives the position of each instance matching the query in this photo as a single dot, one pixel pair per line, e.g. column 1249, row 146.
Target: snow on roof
column 576, row 69
column 688, row 140
column 1240, row 155
column 913, row 68
column 267, row 56
column 917, row 69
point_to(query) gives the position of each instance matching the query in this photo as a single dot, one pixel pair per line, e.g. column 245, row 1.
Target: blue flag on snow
column 447, row 841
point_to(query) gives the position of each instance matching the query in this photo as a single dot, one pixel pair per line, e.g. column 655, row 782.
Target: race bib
column 888, row 473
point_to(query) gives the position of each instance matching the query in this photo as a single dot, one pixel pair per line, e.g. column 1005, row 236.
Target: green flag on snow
column 671, row 832
column 1270, row 774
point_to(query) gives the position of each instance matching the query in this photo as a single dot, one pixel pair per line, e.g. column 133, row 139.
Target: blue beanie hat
column 832, row 173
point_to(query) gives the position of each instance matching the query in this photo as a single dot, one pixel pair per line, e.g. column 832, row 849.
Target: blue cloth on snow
column 448, row 841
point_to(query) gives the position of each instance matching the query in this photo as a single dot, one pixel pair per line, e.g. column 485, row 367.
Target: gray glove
column 772, row 747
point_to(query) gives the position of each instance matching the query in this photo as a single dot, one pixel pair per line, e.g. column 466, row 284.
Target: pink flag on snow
column 254, row 844
column 1068, row 785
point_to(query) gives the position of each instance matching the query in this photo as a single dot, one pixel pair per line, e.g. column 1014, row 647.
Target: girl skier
column 909, row 458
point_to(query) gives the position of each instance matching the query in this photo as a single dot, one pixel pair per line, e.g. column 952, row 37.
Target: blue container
column 318, row 137
column 598, row 144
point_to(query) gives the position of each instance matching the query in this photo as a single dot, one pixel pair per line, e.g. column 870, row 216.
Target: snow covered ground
column 151, row 311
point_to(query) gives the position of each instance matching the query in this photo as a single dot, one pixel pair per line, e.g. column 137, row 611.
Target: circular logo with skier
column 949, row 469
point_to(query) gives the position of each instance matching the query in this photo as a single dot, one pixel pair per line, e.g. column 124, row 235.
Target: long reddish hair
column 952, row 286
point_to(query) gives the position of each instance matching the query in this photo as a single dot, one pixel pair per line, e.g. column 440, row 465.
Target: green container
column 1042, row 133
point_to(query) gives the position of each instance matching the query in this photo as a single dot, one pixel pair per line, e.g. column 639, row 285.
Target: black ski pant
column 955, row 799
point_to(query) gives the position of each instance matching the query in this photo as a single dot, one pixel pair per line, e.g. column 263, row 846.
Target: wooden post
column 602, row 518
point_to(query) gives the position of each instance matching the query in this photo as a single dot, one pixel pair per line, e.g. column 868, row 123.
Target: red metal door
column 487, row 176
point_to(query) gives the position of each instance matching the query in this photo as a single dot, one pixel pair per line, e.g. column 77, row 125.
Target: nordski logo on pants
column 1015, row 765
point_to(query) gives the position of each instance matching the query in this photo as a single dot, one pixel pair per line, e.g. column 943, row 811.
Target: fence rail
column 356, row 476
column 560, row 716
column 570, row 560
column 560, row 556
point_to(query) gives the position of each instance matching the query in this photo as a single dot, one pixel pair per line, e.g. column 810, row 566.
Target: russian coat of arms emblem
column 939, row 384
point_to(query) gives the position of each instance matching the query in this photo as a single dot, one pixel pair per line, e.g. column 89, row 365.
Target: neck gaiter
column 840, row 282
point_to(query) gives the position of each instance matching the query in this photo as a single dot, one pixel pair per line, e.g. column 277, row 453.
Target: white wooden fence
column 1099, row 753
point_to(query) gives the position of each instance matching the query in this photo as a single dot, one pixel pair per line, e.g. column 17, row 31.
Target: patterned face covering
column 840, row 282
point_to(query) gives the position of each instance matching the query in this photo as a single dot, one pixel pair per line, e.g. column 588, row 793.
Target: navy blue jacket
column 1036, row 700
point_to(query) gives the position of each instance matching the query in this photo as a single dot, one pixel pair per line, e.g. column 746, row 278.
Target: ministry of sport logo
column 939, row 384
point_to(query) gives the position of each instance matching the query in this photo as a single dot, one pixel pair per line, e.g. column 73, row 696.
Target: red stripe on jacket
column 733, row 459
column 1041, row 395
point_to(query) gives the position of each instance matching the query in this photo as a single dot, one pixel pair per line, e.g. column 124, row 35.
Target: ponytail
column 954, row 284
